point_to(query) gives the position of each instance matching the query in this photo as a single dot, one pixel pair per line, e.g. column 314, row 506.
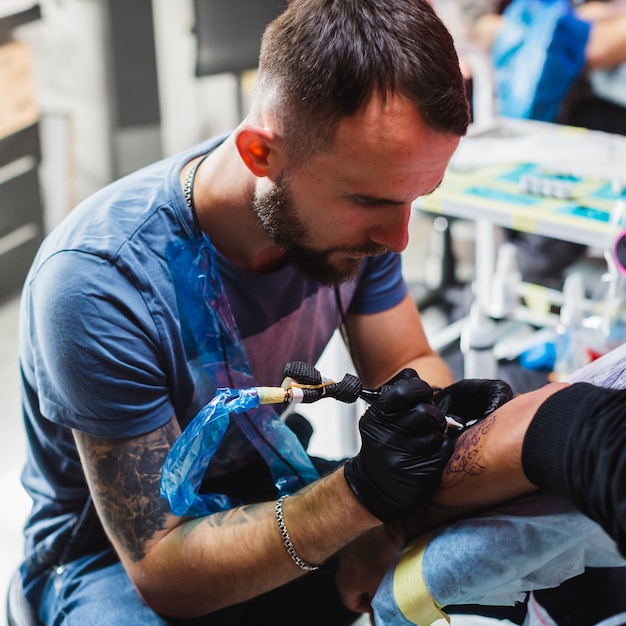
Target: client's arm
column 485, row 469
column 470, row 482
column 567, row 439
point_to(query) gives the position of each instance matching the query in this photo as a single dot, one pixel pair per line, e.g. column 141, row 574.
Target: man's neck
column 223, row 193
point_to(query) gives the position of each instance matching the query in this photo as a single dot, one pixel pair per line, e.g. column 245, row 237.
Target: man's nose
column 394, row 233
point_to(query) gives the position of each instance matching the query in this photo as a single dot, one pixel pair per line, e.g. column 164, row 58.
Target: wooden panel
column 17, row 97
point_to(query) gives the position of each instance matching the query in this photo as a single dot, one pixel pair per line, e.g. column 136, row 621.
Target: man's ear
column 255, row 147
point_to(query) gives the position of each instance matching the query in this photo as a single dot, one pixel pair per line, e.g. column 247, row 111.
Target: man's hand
column 469, row 401
column 404, row 448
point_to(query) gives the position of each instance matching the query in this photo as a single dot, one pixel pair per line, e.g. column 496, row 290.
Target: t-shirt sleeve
column 381, row 285
column 97, row 356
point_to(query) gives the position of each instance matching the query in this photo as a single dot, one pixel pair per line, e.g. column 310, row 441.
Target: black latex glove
column 404, row 448
column 471, row 400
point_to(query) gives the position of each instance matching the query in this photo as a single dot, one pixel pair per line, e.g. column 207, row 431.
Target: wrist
column 286, row 538
column 354, row 494
column 320, row 519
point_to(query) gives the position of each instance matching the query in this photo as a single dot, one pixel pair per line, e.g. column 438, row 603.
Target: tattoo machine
column 191, row 453
column 302, row 383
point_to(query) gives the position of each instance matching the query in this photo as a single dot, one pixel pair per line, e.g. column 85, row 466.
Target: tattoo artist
column 241, row 254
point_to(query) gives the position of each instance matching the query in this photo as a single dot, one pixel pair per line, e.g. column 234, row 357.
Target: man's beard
column 277, row 213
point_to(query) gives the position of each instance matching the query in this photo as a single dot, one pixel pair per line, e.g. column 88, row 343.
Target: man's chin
column 336, row 273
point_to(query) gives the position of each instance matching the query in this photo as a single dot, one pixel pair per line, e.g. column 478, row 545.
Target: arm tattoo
column 466, row 462
column 124, row 476
column 467, row 459
column 239, row 515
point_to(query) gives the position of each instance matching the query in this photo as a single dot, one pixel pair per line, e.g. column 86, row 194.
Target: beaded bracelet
column 280, row 520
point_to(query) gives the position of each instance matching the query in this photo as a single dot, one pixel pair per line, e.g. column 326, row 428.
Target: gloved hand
column 404, row 448
column 469, row 401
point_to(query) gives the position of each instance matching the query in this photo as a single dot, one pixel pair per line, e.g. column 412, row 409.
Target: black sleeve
column 575, row 447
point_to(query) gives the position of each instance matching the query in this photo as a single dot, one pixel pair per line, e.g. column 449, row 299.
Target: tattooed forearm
column 124, row 477
column 467, row 459
column 240, row 515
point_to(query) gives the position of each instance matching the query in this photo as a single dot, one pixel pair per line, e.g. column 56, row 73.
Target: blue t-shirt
column 109, row 338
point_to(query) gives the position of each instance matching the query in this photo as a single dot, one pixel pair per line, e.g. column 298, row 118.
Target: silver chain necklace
column 188, row 186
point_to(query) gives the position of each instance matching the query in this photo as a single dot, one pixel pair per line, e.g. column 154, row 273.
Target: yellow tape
column 409, row 589
column 271, row 395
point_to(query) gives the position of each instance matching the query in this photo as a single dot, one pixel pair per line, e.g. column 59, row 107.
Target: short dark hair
column 323, row 60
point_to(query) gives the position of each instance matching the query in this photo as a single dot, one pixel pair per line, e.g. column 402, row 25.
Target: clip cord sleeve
column 211, row 334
